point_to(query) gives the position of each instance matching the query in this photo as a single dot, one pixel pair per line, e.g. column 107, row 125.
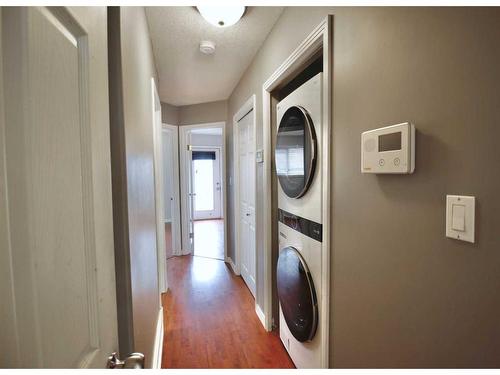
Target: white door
column 171, row 190
column 57, row 276
column 246, row 183
column 206, row 175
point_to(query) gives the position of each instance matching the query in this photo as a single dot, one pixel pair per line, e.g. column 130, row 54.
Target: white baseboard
column 158, row 345
column 233, row 266
column 185, row 252
column 261, row 315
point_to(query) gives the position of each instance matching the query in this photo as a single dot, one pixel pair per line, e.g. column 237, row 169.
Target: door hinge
column 191, row 235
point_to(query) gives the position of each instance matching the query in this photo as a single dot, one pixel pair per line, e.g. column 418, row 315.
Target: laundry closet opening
column 296, row 176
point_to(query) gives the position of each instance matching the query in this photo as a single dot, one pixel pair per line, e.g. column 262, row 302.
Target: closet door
column 246, row 178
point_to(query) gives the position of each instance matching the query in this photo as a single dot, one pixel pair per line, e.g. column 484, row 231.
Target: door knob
column 247, row 214
column 133, row 361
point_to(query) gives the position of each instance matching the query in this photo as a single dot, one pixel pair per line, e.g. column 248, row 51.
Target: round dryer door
column 297, row 295
column 295, row 154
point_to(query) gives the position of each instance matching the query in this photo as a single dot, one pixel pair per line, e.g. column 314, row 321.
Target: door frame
column 320, row 39
column 176, row 214
column 185, row 167
column 219, row 149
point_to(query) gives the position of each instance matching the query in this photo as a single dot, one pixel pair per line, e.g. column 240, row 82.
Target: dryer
column 298, row 150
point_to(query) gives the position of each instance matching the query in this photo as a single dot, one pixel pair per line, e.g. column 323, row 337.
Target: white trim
column 245, row 109
column 260, row 314
column 321, row 37
column 233, row 266
column 176, row 217
column 185, row 167
column 159, row 190
column 158, row 344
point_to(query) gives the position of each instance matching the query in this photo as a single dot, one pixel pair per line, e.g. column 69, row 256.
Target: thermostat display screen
column 389, row 142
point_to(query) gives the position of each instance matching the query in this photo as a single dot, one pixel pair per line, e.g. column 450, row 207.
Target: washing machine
column 298, row 273
column 298, row 150
column 298, row 280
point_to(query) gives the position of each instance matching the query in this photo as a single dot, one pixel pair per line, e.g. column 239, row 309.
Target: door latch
column 133, row 361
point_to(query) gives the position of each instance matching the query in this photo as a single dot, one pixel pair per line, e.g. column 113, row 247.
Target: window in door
column 206, row 184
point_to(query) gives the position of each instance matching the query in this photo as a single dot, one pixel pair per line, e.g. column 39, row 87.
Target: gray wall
column 131, row 69
column 194, row 114
column 403, row 294
column 203, row 113
column 169, row 114
column 206, row 140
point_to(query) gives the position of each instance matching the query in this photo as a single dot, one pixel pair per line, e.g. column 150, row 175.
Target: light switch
column 259, row 156
column 460, row 217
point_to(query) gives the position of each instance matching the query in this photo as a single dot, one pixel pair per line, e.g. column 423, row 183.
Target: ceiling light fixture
column 221, row 16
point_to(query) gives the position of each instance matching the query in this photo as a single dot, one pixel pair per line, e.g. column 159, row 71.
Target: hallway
column 210, row 320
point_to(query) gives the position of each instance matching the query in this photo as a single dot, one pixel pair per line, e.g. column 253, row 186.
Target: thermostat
column 388, row 150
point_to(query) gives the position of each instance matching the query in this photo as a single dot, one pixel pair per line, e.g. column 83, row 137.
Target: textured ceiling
column 186, row 76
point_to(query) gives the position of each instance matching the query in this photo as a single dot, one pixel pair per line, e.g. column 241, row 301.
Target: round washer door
column 297, row 295
column 295, row 154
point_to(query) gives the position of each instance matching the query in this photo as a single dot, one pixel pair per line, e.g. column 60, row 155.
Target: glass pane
column 294, row 154
column 203, row 185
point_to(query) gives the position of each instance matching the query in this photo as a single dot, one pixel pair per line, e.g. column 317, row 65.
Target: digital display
column 389, row 142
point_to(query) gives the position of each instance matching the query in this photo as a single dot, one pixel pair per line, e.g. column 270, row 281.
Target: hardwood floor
column 209, row 238
column 210, row 320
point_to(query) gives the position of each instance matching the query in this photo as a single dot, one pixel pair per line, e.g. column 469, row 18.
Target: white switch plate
column 460, row 214
column 259, row 156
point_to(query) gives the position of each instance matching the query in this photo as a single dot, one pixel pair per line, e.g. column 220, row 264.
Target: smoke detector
column 207, row 47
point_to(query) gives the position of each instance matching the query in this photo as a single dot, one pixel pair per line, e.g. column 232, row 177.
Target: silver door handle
column 247, row 214
column 133, row 361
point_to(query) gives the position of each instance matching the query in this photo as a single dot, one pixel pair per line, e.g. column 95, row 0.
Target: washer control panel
column 388, row 150
column 302, row 225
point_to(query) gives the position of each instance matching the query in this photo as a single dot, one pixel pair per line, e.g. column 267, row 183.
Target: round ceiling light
column 221, row 16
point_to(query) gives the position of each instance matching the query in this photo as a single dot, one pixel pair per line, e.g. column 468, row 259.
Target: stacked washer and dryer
column 298, row 168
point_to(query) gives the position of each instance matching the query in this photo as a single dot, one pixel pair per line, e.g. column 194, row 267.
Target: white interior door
column 246, row 183
column 171, row 190
column 57, row 278
column 206, row 177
